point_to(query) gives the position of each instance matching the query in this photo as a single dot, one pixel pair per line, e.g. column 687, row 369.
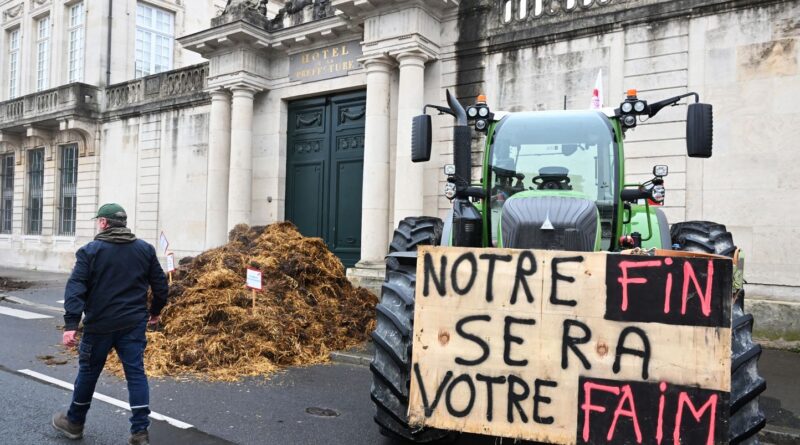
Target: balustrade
column 533, row 9
column 74, row 98
column 174, row 84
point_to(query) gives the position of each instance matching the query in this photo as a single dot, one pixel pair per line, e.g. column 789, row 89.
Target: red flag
column 597, row 93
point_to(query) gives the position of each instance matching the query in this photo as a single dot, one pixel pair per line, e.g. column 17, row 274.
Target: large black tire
column 746, row 417
column 391, row 366
column 416, row 231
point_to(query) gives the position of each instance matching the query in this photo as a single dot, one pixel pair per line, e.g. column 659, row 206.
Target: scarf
column 116, row 235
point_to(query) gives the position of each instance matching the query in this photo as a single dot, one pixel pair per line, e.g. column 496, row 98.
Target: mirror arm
column 441, row 110
column 654, row 108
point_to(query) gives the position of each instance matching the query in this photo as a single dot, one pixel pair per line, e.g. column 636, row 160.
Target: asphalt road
column 282, row 410
column 326, row 404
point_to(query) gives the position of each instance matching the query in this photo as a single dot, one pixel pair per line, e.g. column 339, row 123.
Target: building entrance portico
column 334, row 162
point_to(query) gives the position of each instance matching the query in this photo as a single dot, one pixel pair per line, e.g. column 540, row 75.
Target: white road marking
column 105, row 398
column 25, row 315
column 31, row 304
column 60, row 301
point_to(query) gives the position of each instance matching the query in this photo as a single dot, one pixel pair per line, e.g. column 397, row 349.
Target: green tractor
column 550, row 180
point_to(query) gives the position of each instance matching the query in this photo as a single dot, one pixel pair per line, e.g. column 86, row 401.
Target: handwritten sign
column 253, row 278
column 163, row 244
column 325, row 63
column 572, row 348
column 171, row 262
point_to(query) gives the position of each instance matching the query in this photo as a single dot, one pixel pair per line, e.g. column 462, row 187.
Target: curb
column 22, row 301
column 350, row 358
column 777, row 435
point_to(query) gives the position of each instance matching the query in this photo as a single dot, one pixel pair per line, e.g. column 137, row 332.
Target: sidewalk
column 780, row 402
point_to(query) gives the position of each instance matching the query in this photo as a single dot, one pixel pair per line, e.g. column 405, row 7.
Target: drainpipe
column 108, row 50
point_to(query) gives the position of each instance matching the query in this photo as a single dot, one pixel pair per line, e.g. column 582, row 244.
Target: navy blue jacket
column 109, row 285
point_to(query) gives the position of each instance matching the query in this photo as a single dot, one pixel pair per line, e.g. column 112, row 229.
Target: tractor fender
column 659, row 238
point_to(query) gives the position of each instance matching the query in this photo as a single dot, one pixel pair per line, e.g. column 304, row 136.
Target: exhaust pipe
column 462, row 146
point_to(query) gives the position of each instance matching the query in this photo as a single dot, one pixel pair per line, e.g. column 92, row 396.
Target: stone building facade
column 303, row 112
column 60, row 61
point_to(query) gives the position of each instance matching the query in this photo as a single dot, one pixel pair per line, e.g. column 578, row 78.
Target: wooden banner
column 571, row 347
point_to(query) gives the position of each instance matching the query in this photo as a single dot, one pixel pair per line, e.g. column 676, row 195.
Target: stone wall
column 155, row 166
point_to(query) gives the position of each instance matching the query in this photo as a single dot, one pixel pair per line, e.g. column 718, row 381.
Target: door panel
column 307, row 187
column 325, row 169
column 346, row 227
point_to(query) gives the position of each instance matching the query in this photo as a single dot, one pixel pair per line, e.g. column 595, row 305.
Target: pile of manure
column 211, row 329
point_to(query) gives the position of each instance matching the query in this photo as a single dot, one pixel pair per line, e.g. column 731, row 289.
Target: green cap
column 112, row 211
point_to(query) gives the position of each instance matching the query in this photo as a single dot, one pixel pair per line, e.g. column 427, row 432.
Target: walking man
column 108, row 286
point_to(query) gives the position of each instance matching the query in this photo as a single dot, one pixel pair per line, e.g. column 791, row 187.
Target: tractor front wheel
column 746, row 418
column 393, row 336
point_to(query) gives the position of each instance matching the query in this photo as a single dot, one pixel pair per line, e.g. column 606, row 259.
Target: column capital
column 220, row 94
column 245, row 91
column 378, row 63
column 413, row 57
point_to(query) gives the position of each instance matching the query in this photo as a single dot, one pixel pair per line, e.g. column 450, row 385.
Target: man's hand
column 69, row 339
column 152, row 323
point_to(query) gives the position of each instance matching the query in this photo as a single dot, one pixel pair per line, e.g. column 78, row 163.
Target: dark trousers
column 92, row 353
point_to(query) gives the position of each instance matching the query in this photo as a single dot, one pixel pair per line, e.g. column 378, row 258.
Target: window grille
column 35, row 187
column 67, row 203
column 6, row 193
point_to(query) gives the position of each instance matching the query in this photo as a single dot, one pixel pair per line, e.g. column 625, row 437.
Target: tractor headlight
column 626, row 107
column 449, row 170
column 638, row 106
column 658, row 193
column 449, row 190
column 480, row 124
column 660, row 171
column 483, row 111
column 472, row 112
column 629, row 120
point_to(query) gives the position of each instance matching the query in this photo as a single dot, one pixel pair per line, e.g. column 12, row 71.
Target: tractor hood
column 554, row 221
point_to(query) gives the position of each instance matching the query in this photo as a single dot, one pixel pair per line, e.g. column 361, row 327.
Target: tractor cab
column 538, row 160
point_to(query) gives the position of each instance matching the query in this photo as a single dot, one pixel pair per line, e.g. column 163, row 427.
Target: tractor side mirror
column 421, row 138
column 699, row 130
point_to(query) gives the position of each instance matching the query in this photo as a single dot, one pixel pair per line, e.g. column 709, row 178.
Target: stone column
column 375, row 190
column 241, row 171
column 408, row 187
column 219, row 159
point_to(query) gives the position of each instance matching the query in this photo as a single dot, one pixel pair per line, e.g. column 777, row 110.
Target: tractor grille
column 550, row 222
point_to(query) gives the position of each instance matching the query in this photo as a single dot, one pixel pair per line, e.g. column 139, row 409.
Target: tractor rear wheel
column 746, row 418
column 393, row 336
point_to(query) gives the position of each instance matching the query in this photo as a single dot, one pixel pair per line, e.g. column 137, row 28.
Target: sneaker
column 65, row 427
column 139, row 438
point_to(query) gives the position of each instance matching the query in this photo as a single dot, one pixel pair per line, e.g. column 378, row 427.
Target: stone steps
column 369, row 276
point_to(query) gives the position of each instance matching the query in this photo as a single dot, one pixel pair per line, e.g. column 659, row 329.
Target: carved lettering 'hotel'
column 198, row 115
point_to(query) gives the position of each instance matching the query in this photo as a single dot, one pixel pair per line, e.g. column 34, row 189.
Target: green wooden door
column 324, row 170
